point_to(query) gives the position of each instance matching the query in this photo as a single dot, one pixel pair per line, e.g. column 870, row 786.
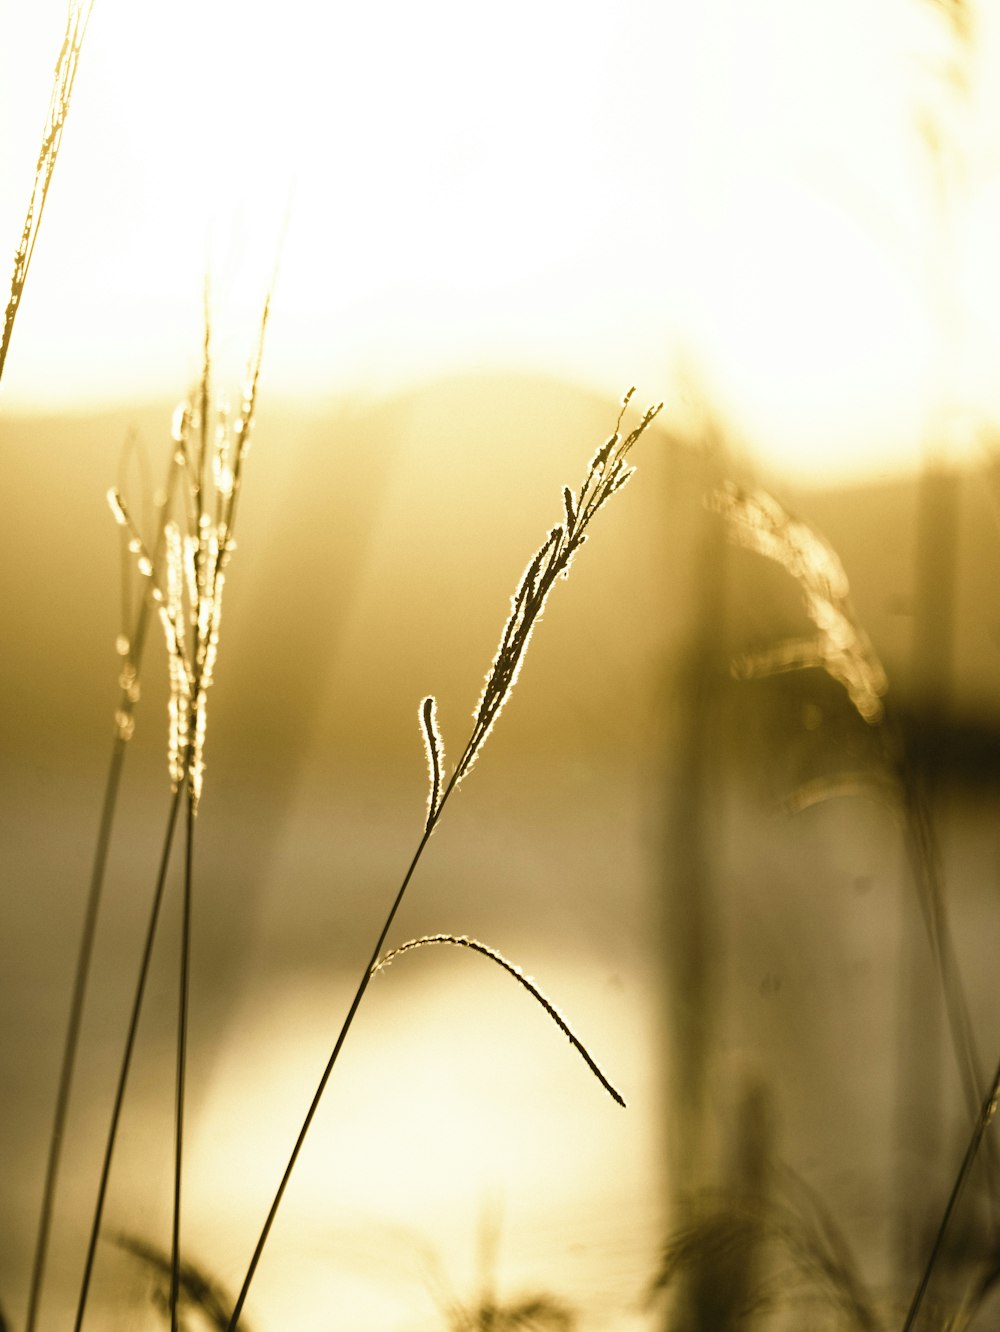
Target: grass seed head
column 605, row 475
column 77, row 16
column 434, row 746
column 188, row 585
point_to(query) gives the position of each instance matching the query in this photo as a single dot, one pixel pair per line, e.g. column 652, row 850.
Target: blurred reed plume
column 203, row 1295
column 840, row 646
column 809, row 1264
column 199, row 1291
column 536, row 1313
column 130, row 646
column 77, row 15
column 605, row 475
column 984, row 1281
column 843, row 650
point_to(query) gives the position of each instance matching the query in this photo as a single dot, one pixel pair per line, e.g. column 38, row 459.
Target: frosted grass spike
column 434, row 746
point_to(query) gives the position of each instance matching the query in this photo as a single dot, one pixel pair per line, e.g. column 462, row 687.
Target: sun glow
column 796, row 204
column 484, row 1098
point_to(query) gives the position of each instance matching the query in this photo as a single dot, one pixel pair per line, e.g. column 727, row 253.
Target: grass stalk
column 72, row 1042
column 182, row 1029
column 363, row 984
column 77, row 16
column 606, row 475
column 842, row 648
column 124, row 726
column 126, row 1063
column 199, row 1290
column 983, row 1121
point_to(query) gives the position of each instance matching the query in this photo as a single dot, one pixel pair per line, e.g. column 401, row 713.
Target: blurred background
column 486, row 226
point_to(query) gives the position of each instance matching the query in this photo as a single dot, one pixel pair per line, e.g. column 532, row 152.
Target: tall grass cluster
column 182, row 565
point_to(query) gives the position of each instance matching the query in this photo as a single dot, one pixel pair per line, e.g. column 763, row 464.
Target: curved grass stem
column 526, row 983
column 925, row 861
column 77, row 17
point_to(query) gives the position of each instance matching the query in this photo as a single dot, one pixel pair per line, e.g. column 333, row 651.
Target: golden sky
column 741, row 201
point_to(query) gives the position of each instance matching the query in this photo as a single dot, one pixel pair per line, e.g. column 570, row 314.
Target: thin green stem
column 182, row 1024
column 363, row 984
column 983, row 1120
column 127, row 1056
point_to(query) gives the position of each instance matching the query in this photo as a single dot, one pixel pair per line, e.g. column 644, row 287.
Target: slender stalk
column 606, row 475
column 127, row 1056
column 363, row 984
column 182, row 1025
column 923, row 853
column 123, row 730
column 983, row 1120
column 925, row 865
column 84, row 956
column 209, row 454
column 77, row 16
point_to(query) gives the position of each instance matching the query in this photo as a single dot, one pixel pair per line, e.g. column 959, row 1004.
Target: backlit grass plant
column 607, row 473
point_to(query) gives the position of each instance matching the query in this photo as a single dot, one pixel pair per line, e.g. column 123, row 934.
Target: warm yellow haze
column 789, row 207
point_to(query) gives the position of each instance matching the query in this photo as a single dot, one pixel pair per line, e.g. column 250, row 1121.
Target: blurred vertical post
column 689, row 930
column 923, row 1067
